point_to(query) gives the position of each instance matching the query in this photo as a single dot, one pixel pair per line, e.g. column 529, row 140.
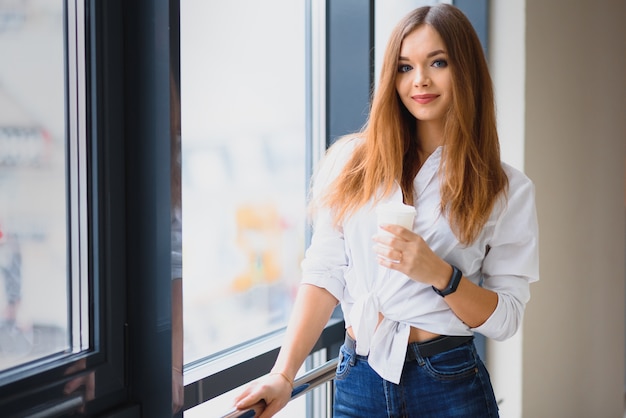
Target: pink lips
column 424, row 98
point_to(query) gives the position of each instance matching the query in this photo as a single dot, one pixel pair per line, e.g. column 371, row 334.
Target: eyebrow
column 429, row 55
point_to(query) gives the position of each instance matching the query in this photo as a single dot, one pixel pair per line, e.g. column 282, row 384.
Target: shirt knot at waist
column 364, row 317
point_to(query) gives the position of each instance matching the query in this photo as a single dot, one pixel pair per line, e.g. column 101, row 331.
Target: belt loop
column 350, row 345
column 413, row 354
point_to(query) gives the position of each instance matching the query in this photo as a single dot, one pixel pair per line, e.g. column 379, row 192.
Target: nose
column 421, row 77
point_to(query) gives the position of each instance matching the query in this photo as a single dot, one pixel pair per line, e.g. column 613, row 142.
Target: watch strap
column 453, row 284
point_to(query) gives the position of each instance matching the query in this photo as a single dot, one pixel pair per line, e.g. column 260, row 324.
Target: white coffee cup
column 396, row 213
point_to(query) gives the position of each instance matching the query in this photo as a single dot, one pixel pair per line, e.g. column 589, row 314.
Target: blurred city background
column 243, row 168
column 33, row 199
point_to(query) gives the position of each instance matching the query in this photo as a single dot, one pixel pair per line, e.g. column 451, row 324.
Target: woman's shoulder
column 519, row 182
column 333, row 161
column 344, row 146
column 338, row 154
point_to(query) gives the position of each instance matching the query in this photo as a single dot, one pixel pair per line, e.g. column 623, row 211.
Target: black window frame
column 37, row 387
column 127, row 49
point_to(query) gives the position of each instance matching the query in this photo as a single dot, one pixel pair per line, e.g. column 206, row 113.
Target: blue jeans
column 454, row 383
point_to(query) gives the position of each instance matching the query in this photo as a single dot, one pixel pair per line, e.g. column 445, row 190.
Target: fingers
column 260, row 408
column 387, row 256
column 249, row 401
column 406, row 252
column 250, row 395
column 270, row 410
column 396, row 237
column 266, row 396
column 390, row 249
column 397, row 230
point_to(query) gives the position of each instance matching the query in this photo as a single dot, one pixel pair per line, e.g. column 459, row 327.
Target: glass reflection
column 243, row 168
column 83, row 384
column 178, row 395
column 33, row 243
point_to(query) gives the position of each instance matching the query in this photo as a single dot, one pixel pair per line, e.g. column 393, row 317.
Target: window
column 254, row 99
column 244, row 179
column 34, row 254
column 245, row 156
column 61, row 343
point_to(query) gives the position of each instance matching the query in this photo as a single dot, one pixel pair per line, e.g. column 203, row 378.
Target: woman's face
column 424, row 79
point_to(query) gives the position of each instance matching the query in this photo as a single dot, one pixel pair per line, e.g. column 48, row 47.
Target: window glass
column 33, row 210
column 243, row 168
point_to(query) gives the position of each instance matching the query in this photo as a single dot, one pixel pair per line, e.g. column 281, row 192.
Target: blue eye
column 404, row 68
column 440, row 63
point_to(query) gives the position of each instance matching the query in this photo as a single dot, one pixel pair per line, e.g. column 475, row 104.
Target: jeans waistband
column 428, row 348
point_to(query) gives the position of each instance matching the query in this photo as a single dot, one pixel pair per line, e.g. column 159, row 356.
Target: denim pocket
column 344, row 363
column 458, row 363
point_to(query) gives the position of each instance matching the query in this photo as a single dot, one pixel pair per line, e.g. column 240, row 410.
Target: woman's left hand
column 407, row 252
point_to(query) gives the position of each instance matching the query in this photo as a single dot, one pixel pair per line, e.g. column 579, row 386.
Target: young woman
column 412, row 299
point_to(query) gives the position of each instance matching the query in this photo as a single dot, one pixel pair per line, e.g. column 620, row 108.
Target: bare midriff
column 416, row 335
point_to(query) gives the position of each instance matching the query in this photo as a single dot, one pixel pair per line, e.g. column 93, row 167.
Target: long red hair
column 472, row 176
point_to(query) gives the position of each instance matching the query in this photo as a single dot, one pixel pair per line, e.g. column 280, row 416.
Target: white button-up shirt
column 341, row 259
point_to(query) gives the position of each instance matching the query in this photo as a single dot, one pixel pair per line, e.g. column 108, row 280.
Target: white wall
column 574, row 145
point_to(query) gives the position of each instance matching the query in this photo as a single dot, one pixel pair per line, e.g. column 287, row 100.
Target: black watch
column 455, row 279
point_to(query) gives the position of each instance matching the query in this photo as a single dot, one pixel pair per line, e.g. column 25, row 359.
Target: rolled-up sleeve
column 512, row 262
column 325, row 260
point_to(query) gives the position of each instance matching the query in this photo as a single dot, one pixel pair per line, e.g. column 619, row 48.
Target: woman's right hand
column 273, row 389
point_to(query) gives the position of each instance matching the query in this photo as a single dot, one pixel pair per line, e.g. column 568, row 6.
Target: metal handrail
column 302, row 385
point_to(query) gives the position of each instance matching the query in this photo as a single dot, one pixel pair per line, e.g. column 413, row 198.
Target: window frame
column 127, row 70
column 37, row 387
